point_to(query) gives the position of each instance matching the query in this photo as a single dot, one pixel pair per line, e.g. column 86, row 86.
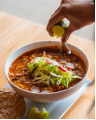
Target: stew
column 47, row 69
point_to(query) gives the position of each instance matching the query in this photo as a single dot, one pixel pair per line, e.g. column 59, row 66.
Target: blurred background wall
column 40, row 11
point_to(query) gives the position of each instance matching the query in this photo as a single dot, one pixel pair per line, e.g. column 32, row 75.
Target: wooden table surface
column 16, row 32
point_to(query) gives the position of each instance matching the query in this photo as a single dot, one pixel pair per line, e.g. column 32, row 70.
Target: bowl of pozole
column 40, row 72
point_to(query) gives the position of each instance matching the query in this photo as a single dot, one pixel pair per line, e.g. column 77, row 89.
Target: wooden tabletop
column 16, row 32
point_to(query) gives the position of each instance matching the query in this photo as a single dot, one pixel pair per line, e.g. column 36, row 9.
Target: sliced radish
column 69, row 67
column 62, row 69
column 47, row 61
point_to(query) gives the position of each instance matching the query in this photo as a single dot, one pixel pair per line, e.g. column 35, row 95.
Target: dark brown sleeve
column 94, row 1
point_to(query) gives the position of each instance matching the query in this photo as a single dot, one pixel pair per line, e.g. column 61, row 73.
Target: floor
column 40, row 11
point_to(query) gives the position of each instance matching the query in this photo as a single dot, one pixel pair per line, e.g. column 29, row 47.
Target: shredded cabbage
column 50, row 74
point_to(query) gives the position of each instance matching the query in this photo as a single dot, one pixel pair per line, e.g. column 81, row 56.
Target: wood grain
column 16, row 32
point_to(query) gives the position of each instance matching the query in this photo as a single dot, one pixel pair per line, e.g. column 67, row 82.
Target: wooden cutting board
column 16, row 32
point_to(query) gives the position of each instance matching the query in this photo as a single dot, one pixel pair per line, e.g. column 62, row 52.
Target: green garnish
column 35, row 114
column 50, row 74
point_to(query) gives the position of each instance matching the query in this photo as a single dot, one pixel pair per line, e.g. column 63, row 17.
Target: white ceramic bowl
column 45, row 97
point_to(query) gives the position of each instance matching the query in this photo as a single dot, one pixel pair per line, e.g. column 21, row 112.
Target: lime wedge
column 58, row 31
column 64, row 23
column 67, row 24
column 35, row 114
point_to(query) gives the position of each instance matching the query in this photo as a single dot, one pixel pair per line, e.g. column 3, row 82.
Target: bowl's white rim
column 52, row 92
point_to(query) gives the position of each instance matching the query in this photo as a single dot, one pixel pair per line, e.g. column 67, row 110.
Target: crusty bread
column 12, row 105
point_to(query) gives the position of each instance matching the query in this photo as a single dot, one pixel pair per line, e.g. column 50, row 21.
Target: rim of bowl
column 87, row 71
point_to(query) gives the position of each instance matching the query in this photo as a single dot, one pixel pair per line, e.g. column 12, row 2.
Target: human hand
column 79, row 12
